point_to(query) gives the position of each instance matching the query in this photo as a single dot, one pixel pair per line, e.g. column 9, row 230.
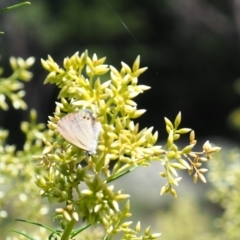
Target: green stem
column 68, row 230
column 120, row 174
column 14, row 6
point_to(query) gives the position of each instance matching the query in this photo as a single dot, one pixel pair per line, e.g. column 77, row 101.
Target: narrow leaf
column 40, row 225
column 118, row 175
column 23, row 234
column 77, row 231
column 14, row 6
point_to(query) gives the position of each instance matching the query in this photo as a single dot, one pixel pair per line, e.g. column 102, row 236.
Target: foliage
column 225, row 175
column 184, row 221
column 12, row 87
column 17, row 167
column 121, row 144
column 80, row 182
column 12, row 7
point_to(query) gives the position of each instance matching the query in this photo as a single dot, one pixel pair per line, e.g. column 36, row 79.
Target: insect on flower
column 81, row 129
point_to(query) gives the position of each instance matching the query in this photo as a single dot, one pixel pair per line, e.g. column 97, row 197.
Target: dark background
column 191, row 49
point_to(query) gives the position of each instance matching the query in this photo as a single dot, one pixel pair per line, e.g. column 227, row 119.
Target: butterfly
column 80, row 129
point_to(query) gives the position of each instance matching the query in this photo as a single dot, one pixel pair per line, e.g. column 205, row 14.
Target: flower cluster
column 224, row 176
column 175, row 159
column 17, row 168
column 18, row 171
column 82, row 181
column 12, row 87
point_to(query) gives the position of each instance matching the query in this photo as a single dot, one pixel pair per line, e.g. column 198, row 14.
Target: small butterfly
column 81, row 129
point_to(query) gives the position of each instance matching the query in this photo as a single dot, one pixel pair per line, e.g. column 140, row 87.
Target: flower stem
column 68, row 230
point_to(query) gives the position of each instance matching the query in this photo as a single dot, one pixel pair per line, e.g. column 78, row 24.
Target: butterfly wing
column 66, row 127
column 84, row 131
column 96, row 126
column 81, row 129
column 89, row 129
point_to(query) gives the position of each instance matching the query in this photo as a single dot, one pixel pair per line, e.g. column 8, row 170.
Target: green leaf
column 77, row 231
column 14, row 6
column 40, row 225
column 118, row 175
column 23, row 234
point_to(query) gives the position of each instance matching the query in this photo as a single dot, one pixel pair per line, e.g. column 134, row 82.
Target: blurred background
column 191, row 49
